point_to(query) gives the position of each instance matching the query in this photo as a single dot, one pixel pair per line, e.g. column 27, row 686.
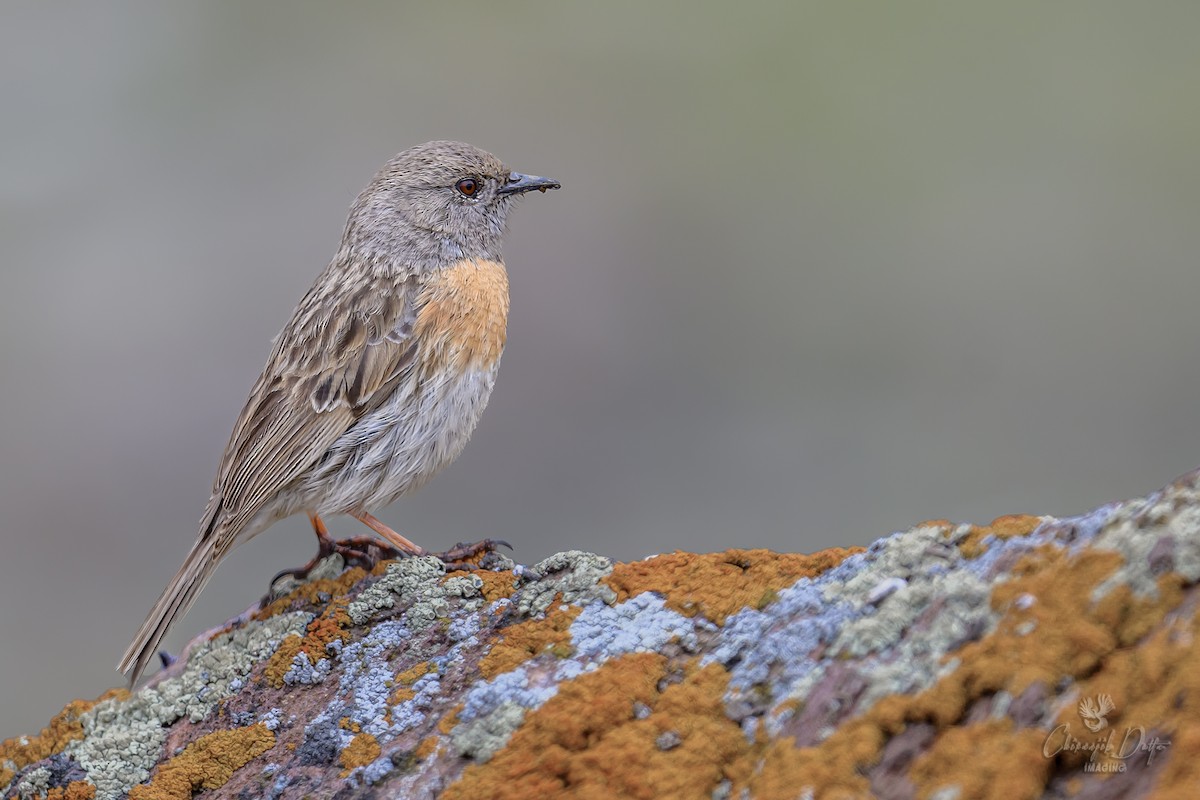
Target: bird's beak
column 519, row 184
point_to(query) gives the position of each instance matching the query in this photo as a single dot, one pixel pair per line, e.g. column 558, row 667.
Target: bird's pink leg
column 396, row 540
column 461, row 556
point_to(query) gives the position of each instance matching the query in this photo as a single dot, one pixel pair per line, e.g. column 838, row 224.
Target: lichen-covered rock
column 1034, row 657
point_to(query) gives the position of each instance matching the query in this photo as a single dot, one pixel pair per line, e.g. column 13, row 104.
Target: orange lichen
column 1181, row 774
column 781, row 771
column 1060, row 634
column 1004, row 527
column 1063, row 633
column 496, row 585
column 329, row 627
column 63, row 729
column 587, row 740
column 717, row 585
column 416, row 672
column 990, row 755
column 281, row 660
column 447, row 723
column 207, row 763
column 528, row 639
column 990, row 761
column 427, row 747
column 313, row 593
column 362, row 750
column 406, row 679
column 1155, row 691
column 75, row 790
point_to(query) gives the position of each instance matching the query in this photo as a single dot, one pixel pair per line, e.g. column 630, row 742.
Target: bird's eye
column 468, row 186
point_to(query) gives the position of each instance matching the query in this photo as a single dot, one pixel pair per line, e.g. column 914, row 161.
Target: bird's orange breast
column 462, row 316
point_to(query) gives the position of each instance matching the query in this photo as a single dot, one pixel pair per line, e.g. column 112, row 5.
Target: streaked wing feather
column 321, row 378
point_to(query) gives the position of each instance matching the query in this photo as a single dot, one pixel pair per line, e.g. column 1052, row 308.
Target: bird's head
column 437, row 203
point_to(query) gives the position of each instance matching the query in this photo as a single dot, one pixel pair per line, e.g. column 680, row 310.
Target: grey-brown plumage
column 380, row 376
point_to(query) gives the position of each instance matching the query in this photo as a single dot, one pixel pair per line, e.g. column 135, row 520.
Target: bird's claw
column 465, row 556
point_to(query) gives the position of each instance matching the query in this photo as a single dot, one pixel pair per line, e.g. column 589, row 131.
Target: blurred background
column 817, row 272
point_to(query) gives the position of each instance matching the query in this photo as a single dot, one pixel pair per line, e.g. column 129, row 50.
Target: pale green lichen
column 408, row 578
column 430, row 600
column 1138, row 529
column 123, row 739
column 465, row 586
column 574, row 574
column 965, row 609
column 893, row 653
column 482, row 738
column 417, row 583
column 34, row 783
column 903, row 555
column 916, row 652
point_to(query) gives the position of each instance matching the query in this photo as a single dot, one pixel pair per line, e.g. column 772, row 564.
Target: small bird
column 380, row 376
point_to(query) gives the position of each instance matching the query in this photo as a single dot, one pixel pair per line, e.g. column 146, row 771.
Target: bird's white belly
column 399, row 446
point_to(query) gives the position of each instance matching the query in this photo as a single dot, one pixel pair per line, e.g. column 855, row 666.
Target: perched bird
column 380, row 376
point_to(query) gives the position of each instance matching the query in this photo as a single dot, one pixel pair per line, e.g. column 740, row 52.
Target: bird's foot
column 467, row 556
column 356, row 551
column 367, row 551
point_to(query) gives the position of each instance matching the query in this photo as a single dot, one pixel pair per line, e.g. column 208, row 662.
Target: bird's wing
column 339, row 356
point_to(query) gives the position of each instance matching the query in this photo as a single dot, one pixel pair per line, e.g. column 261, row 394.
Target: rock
column 1030, row 657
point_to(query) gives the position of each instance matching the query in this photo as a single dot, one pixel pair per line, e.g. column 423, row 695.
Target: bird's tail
column 174, row 602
